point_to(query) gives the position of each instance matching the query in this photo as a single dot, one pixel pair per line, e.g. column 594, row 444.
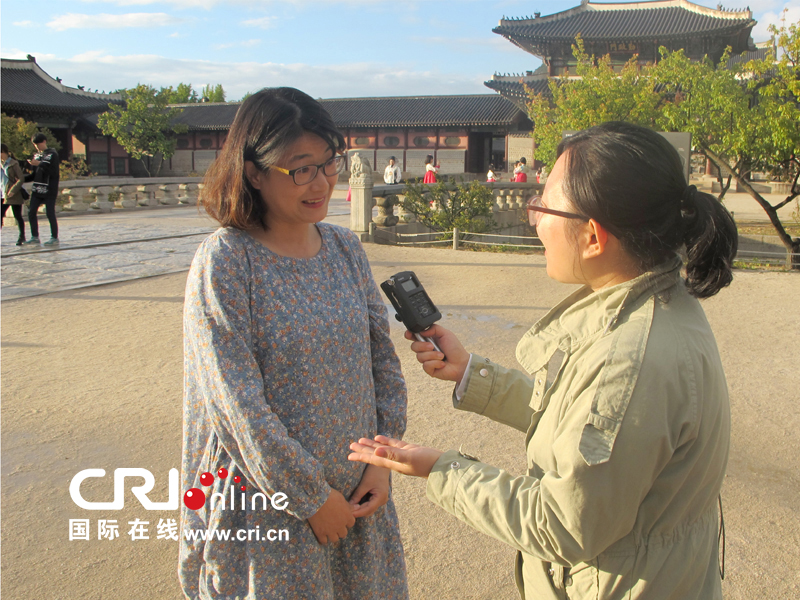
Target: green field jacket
column 626, row 411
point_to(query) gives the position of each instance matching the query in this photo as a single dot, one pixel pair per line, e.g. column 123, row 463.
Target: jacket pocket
column 615, row 387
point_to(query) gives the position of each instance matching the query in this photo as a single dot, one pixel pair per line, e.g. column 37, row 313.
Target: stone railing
column 97, row 195
column 510, row 200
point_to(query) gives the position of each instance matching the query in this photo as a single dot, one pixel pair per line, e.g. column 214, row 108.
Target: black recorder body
column 414, row 308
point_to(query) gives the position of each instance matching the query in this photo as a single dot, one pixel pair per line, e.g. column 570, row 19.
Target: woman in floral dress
column 287, row 359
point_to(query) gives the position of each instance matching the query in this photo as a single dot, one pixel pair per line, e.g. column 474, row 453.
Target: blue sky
column 333, row 49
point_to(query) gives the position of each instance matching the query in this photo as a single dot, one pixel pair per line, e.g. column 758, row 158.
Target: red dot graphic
column 194, row 499
column 222, row 473
column 243, row 488
column 236, row 479
column 206, row 479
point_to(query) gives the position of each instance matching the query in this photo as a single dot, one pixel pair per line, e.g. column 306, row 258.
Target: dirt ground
column 92, row 379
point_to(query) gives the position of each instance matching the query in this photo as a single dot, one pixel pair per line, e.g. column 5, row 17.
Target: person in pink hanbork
column 430, row 170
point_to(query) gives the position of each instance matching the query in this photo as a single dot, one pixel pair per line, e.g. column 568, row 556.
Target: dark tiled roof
column 515, row 90
column 663, row 19
column 420, row 111
column 211, row 116
column 25, row 87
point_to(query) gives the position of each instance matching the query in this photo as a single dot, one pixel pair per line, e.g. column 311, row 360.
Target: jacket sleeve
column 500, row 394
column 15, row 187
column 220, row 349
column 583, row 505
column 52, row 160
column 390, row 388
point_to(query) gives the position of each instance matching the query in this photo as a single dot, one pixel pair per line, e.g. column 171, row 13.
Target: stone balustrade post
column 386, row 216
column 145, row 195
column 361, row 200
column 75, row 198
column 165, row 194
column 101, row 202
column 501, row 203
column 127, row 196
column 187, row 193
column 200, row 187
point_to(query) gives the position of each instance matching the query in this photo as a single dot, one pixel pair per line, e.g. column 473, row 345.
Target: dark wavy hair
column 631, row 180
column 266, row 124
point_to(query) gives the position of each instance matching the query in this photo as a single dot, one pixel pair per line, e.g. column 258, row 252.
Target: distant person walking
column 430, row 170
column 491, row 176
column 391, row 174
column 11, row 179
column 44, row 190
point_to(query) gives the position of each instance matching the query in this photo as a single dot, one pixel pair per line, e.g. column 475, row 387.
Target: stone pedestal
column 403, row 215
column 386, row 216
column 127, row 196
column 361, row 201
column 101, row 202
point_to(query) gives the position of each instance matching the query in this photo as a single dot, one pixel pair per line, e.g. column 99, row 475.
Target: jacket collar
column 585, row 313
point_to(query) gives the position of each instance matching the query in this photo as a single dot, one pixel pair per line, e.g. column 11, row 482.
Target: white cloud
column 263, row 22
column 243, row 44
column 761, row 30
column 23, row 23
column 106, row 21
column 98, row 69
column 490, row 42
column 208, row 4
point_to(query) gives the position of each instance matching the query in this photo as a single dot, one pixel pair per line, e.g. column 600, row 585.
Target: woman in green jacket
column 624, row 399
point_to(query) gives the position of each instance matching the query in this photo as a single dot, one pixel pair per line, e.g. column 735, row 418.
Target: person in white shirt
column 391, row 174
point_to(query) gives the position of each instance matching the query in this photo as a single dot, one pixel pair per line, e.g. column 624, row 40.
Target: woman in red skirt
column 430, row 170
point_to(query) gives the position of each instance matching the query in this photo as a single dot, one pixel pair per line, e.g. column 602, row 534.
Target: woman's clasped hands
column 334, row 518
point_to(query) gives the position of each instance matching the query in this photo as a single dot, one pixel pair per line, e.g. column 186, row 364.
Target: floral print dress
column 286, row 362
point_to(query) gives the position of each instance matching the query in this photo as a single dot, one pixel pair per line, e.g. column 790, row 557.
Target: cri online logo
column 194, row 498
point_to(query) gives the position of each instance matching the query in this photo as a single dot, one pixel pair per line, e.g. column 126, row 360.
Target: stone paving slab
column 100, row 249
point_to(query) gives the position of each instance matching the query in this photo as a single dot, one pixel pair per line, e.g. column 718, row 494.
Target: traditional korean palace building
column 463, row 133
column 619, row 30
column 30, row 93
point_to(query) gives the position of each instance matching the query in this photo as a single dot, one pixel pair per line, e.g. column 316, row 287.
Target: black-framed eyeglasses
column 535, row 206
column 307, row 174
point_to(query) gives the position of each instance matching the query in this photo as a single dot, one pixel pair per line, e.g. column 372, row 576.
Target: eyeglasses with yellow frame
column 307, row 174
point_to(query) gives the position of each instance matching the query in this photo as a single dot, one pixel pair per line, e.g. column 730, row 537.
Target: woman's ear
column 595, row 239
column 253, row 174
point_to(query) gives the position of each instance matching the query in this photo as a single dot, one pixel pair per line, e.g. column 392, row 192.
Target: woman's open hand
column 397, row 455
column 374, row 486
column 433, row 361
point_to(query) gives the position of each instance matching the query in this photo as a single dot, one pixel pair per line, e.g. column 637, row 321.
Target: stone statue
column 360, row 171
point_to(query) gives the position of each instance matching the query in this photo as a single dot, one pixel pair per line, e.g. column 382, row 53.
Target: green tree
column 183, row 94
column 214, row 94
column 744, row 119
column 143, row 126
column 599, row 94
column 444, row 206
column 17, row 133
